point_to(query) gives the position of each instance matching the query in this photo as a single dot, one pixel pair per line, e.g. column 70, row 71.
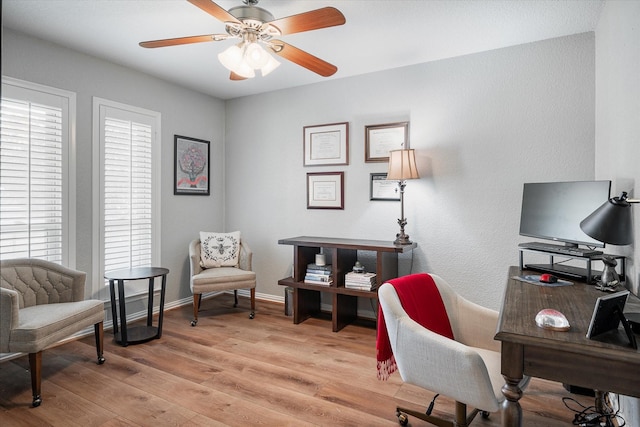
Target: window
column 37, row 185
column 127, row 161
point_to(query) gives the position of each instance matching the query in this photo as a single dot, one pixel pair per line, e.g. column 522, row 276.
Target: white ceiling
column 378, row 34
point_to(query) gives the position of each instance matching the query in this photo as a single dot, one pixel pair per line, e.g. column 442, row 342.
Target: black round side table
column 136, row 334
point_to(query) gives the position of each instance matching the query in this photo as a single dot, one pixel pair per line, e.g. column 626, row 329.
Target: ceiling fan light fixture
column 253, row 25
column 256, row 56
column 231, row 57
column 244, row 70
column 271, row 65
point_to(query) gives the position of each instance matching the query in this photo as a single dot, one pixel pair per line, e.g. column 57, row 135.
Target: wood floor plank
column 207, row 400
column 297, row 405
column 230, row 370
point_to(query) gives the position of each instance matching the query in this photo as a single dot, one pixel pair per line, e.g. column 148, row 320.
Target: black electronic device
column 608, row 314
column 553, row 210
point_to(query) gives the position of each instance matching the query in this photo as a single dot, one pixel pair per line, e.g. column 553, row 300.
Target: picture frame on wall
column 325, row 190
column 382, row 189
column 380, row 139
column 191, row 166
column 326, row 145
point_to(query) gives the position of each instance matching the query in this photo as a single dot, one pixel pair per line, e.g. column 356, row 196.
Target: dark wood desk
column 605, row 364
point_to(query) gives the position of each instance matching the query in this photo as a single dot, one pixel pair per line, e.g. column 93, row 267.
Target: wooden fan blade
column 236, row 77
column 312, row 20
column 214, row 10
column 303, row 58
column 183, row 40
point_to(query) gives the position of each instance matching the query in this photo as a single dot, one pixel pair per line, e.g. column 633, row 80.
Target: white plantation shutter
column 35, row 190
column 128, row 232
column 129, row 186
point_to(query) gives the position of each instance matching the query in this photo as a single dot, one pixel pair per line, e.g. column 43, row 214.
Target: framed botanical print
column 191, row 167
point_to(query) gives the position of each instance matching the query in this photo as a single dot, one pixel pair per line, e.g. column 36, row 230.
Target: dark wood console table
column 131, row 335
column 606, row 363
column 342, row 254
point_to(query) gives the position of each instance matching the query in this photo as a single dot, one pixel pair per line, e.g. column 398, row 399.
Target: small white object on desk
column 549, row 318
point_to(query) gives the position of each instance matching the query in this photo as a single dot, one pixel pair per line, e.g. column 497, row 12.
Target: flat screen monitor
column 553, row 210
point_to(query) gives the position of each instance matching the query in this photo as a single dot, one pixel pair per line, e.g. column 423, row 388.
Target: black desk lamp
column 611, row 222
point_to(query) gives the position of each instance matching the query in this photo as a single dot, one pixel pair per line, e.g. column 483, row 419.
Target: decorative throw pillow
column 219, row 249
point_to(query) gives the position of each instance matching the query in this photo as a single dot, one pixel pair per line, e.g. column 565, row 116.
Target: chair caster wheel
column 403, row 419
column 252, row 315
column 37, row 400
column 485, row 414
column 101, row 360
column 194, row 322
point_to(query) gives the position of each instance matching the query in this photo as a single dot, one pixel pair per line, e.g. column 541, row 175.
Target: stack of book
column 318, row 275
column 360, row 281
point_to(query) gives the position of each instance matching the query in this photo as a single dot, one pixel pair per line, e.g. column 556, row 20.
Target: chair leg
column 253, row 303
column 461, row 418
column 35, row 365
column 403, row 419
column 99, row 332
column 461, row 414
column 235, row 298
column 197, row 298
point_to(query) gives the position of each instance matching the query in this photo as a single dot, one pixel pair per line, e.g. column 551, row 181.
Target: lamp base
column 402, row 239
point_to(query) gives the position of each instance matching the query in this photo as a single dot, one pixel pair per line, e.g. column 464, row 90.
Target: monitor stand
column 561, row 270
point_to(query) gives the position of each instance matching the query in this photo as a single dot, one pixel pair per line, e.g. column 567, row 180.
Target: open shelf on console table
column 342, row 254
column 572, row 272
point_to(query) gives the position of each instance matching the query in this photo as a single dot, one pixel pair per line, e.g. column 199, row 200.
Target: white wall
column 184, row 112
column 482, row 125
column 618, row 109
column 618, row 126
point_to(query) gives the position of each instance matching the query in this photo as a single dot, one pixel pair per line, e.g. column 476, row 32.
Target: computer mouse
column 549, row 318
column 548, row 278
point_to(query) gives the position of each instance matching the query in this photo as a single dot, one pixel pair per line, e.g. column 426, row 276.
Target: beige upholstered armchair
column 42, row 303
column 462, row 362
column 224, row 278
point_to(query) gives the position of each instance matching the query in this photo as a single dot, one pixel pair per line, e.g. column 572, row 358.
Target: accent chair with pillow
column 220, row 262
column 42, row 303
column 441, row 342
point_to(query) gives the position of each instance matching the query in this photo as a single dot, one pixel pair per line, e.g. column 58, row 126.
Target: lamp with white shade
column 402, row 166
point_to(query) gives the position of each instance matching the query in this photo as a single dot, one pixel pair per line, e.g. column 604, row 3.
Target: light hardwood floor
column 233, row 371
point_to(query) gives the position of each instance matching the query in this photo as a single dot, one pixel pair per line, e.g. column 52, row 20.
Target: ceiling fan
column 256, row 28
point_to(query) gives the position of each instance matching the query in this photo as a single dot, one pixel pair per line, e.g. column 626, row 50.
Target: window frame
column 69, row 164
column 100, row 288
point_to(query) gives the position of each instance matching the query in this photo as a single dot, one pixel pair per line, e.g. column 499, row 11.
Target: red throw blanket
column 421, row 300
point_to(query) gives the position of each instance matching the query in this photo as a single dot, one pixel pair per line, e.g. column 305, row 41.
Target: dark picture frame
column 191, row 168
column 325, row 190
column 382, row 189
column 326, row 145
column 380, row 139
